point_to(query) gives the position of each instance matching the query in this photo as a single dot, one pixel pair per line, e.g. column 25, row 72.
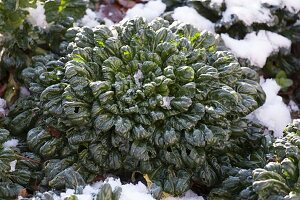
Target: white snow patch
column 191, row 16
column 217, row 2
column 293, row 106
column 251, row 11
column 257, row 47
column 247, row 11
column 37, row 16
column 13, row 165
column 113, row 182
column 90, row 190
column 66, row 194
column 129, row 192
column 292, row 5
column 166, row 101
column 55, row 197
column 272, row 2
column 89, row 19
column 10, row 143
column 135, row 192
column 108, row 22
column 150, row 10
column 273, row 114
column 137, row 77
column 297, row 23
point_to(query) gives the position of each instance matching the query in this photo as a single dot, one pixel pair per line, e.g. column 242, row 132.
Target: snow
column 293, row 106
column 249, row 12
column 257, row 47
column 150, row 10
column 191, row 16
column 89, row 19
column 292, row 5
column 66, row 194
column 10, row 143
column 272, row 2
column 273, row 114
column 37, row 16
column 13, row 165
column 217, row 2
column 108, row 22
column 166, row 102
column 2, row 107
column 129, row 191
column 89, row 189
column 253, row 11
column 135, row 192
column 297, row 23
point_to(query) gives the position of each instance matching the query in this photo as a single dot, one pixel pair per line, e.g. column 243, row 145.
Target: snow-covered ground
column 150, row 10
column 129, row 192
column 257, row 47
column 273, row 114
column 191, row 16
column 253, row 11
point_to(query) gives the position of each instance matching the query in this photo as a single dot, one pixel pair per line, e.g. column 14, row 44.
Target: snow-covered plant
column 157, row 98
column 279, row 179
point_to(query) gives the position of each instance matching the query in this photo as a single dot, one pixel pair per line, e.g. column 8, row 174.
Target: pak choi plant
column 160, row 99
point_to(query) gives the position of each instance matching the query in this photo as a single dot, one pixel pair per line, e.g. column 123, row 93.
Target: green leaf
column 123, row 127
column 185, row 73
column 59, row 10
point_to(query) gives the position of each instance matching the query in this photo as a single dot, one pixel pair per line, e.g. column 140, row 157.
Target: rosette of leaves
column 149, row 97
column 17, row 170
column 278, row 179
